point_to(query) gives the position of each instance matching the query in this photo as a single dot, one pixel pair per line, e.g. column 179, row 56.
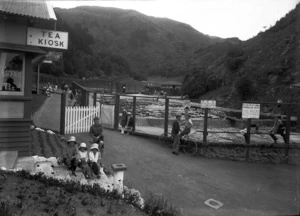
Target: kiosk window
column 11, row 73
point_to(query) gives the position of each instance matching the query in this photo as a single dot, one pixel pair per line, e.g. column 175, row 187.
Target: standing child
column 188, row 125
column 95, row 159
column 71, row 155
column 96, row 132
column 83, row 159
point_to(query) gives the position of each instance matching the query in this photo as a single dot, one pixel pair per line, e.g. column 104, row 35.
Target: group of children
column 75, row 155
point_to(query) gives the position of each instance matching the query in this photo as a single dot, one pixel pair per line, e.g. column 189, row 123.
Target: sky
column 223, row 18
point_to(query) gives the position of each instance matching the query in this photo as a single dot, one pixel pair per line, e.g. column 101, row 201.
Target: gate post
column 205, row 125
column 205, row 131
column 166, row 116
column 287, row 133
column 63, row 112
column 248, row 135
column 134, row 112
column 117, row 109
column 95, row 99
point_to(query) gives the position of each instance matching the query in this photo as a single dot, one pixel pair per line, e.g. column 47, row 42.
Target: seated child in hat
column 70, row 154
column 95, row 159
column 83, row 159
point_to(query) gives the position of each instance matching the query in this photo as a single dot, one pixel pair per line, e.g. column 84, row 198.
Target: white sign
column 47, row 38
column 47, row 61
column 251, row 111
column 210, row 104
column 186, row 103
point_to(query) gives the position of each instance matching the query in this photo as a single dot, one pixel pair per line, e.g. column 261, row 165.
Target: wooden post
column 117, row 109
column 205, row 125
column 95, row 99
column 83, row 101
column 248, row 135
column 288, row 124
column 287, row 133
column 63, row 113
column 166, row 116
column 248, row 131
column 38, row 80
column 87, row 98
column 134, row 112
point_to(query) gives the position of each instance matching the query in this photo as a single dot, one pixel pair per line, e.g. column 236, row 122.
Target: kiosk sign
column 251, row 111
column 47, row 38
column 210, row 104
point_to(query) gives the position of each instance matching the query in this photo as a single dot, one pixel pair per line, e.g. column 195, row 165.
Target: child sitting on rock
column 95, row 159
column 83, row 159
column 70, row 155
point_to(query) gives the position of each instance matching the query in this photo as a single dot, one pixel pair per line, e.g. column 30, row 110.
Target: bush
column 5, row 208
column 157, row 205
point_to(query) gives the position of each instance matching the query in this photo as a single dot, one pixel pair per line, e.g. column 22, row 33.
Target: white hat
column 101, row 142
column 82, row 145
column 95, row 146
column 129, row 113
column 72, row 139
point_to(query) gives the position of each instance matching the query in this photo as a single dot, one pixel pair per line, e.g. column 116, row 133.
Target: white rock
column 40, row 129
column 50, row 132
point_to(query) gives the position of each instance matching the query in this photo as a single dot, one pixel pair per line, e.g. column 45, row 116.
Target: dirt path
column 243, row 188
column 48, row 116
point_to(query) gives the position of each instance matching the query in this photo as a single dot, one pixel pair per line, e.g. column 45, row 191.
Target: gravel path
column 243, row 188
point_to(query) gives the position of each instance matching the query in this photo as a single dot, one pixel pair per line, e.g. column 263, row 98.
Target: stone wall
column 277, row 154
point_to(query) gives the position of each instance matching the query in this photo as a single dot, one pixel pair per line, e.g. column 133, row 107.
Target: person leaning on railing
column 278, row 128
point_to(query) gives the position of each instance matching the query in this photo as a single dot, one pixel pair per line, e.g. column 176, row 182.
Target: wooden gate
column 80, row 119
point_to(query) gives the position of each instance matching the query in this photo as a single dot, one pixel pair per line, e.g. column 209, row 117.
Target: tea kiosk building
column 16, row 67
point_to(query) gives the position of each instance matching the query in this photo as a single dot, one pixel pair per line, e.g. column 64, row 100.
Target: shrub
column 157, row 205
column 5, row 208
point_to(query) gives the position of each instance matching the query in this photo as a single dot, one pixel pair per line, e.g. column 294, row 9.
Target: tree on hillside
column 243, row 87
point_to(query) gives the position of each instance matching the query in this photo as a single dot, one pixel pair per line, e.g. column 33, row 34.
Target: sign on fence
column 251, row 111
column 210, row 104
column 80, row 119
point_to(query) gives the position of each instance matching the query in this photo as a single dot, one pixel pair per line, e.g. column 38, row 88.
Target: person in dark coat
column 123, row 121
column 175, row 134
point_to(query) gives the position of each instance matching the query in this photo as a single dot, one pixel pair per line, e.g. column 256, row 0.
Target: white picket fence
column 80, row 119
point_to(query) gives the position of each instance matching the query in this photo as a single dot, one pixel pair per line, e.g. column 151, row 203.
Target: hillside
column 110, row 41
column 268, row 62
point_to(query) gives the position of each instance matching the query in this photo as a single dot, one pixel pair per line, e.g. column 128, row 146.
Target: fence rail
column 79, row 119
